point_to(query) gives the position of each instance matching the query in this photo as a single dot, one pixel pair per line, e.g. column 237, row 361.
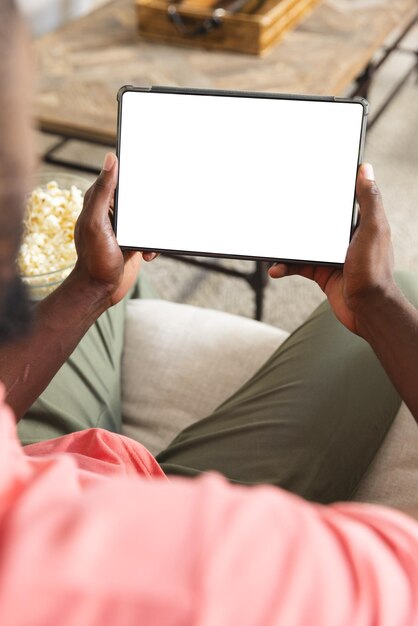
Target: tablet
column 243, row 175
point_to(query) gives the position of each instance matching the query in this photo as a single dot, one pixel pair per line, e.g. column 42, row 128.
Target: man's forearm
column 61, row 320
column 390, row 325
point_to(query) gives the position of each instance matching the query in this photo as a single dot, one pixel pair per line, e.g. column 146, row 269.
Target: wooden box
column 254, row 30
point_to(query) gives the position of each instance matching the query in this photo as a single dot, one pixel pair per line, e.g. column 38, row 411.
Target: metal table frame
column 257, row 279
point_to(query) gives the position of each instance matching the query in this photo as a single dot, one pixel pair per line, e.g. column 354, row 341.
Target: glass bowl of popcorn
column 47, row 253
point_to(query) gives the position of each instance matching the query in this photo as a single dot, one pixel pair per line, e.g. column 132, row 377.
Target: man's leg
column 310, row 420
column 85, row 392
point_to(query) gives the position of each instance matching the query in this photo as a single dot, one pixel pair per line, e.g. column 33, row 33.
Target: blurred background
column 392, row 143
column 46, row 15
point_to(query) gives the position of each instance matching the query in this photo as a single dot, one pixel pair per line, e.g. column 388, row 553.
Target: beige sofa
column 181, row 361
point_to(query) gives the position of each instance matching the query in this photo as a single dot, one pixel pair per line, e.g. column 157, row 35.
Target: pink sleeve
column 132, row 551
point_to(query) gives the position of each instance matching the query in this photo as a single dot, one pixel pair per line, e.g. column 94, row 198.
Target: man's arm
column 383, row 316
column 389, row 324
column 61, row 320
column 101, row 278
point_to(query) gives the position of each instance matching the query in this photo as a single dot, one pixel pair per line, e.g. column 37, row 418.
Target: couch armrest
column 392, row 477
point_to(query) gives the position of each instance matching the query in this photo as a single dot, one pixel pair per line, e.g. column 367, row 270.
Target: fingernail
column 108, row 162
column 368, row 171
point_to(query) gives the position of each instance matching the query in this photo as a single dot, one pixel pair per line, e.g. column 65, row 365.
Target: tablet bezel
column 246, row 94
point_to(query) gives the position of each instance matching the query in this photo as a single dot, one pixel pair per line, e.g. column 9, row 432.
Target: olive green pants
column 311, row 419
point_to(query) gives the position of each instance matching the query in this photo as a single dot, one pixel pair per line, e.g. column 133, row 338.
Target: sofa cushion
column 180, row 362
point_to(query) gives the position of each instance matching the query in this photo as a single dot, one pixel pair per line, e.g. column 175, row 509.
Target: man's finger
column 149, row 256
column 278, row 270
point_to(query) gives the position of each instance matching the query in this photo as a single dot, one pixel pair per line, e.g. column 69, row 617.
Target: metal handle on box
column 208, row 24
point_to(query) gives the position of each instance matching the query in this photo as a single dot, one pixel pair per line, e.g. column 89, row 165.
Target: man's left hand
column 100, row 260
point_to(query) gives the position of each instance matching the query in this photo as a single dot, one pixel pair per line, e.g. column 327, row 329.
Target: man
column 91, row 530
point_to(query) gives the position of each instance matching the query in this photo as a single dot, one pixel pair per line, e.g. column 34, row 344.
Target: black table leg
column 256, row 279
column 258, row 282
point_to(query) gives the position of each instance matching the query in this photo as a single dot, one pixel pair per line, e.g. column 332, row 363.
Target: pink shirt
column 93, row 533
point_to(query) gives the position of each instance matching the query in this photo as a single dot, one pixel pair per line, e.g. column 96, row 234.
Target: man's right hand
column 367, row 275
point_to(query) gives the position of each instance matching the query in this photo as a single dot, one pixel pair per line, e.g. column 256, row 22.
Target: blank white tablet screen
column 238, row 176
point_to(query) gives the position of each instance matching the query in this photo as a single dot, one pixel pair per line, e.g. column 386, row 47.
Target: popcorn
column 48, row 241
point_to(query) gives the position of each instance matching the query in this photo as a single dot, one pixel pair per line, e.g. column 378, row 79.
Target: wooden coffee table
column 82, row 66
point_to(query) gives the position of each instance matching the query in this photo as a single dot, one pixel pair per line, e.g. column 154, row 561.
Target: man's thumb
column 103, row 189
column 368, row 194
